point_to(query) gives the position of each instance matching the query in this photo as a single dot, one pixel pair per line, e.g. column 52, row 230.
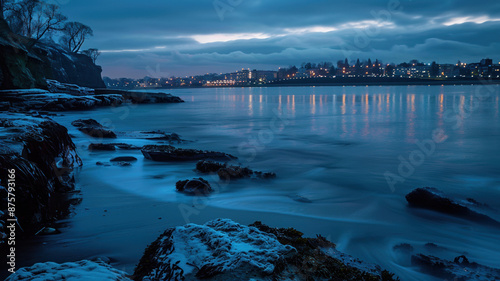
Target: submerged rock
column 161, row 135
column 225, row 250
column 460, row 269
column 197, row 186
column 229, row 172
column 123, row 159
column 93, row 128
column 102, row 146
column 433, row 199
column 168, row 153
column 80, row 270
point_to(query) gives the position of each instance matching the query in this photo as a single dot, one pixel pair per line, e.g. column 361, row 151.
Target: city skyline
column 196, row 37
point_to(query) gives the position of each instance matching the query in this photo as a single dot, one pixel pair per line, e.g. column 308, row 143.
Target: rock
column 55, row 86
column 265, row 175
column 80, row 270
column 102, row 146
column 433, row 199
column 92, row 128
column 404, row 248
column 102, row 164
column 230, row 172
column 197, row 186
column 127, row 146
column 43, row 156
column 460, row 269
column 160, row 135
column 222, row 249
column 140, row 97
column 123, row 159
column 168, row 153
column 123, row 164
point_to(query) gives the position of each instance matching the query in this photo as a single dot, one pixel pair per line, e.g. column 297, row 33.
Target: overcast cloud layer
column 163, row 38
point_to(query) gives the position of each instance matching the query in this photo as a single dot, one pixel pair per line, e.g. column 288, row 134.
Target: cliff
column 25, row 63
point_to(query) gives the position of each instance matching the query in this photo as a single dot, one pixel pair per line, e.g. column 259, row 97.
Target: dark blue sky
column 163, row 38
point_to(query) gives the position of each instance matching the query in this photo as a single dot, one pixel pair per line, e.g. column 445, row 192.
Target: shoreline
column 377, row 82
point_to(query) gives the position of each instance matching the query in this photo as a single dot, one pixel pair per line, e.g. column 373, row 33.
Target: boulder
column 123, row 159
column 460, row 269
column 93, row 128
column 222, row 249
column 43, row 155
column 432, row 199
column 197, row 186
column 102, row 146
column 230, row 172
column 166, row 153
column 80, row 270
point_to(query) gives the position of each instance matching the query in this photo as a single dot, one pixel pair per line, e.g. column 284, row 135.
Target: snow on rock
column 219, row 246
column 58, row 87
column 224, row 250
column 36, row 99
column 71, row 271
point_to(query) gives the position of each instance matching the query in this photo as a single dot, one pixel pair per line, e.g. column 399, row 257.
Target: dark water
column 332, row 146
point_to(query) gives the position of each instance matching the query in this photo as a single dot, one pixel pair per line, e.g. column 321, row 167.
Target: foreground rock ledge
column 225, row 250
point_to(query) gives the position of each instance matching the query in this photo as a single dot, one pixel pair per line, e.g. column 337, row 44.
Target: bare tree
column 21, row 16
column 33, row 18
column 92, row 53
column 74, row 35
column 47, row 21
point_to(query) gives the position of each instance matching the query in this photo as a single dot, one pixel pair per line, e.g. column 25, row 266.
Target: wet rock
column 101, row 146
column 460, row 269
column 141, row 97
column 35, row 99
column 225, row 250
column 206, row 166
column 197, row 186
column 43, row 155
column 161, row 135
column 102, row 164
column 123, row 159
column 230, row 172
column 404, row 248
column 123, row 164
column 80, row 270
column 92, row 128
column 126, row 146
column 433, row 199
column 166, row 153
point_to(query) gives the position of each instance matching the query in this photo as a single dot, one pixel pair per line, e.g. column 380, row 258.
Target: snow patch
column 222, row 244
column 71, row 271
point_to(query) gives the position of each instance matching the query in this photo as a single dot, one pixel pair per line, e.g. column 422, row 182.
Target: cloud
column 189, row 37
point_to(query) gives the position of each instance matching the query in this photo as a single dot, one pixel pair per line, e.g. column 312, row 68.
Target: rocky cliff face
column 25, row 63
